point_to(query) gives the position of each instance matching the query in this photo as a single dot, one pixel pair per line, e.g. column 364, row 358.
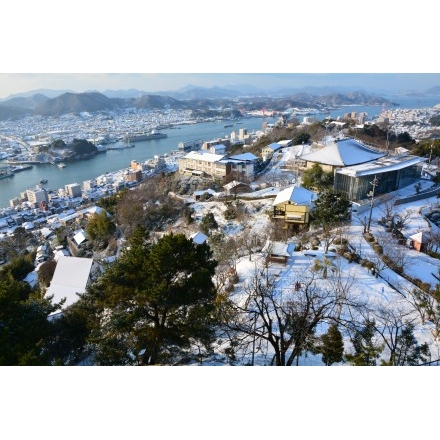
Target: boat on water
column 153, row 134
column 61, row 165
column 18, row 168
column 6, row 172
column 43, row 181
column 228, row 125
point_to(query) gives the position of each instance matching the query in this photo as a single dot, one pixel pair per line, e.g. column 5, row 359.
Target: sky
column 11, row 83
column 96, row 48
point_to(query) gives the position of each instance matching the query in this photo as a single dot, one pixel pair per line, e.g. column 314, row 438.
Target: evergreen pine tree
column 366, row 350
column 332, row 346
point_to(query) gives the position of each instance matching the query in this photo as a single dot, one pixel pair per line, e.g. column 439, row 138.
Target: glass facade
column 357, row 188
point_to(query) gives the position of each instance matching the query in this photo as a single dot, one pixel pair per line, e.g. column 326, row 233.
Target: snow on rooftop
column 245, row 156
column 296, row 194
column 70, row 278
column 383, row 164
column 199, row 237
column 343, row 153
column 207, row 157
column 80, row 236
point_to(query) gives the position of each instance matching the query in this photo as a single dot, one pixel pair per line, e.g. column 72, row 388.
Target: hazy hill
column 28, row 102
column 46, row 92
column 77, row 102
column 125, row 94
column 194, row 92
column 94, row 101
column 158, row 102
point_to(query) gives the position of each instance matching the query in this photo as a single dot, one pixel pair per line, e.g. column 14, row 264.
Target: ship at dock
column 137, row 137
column 6, row 172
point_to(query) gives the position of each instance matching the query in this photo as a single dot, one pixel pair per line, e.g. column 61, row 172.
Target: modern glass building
column 390, row 172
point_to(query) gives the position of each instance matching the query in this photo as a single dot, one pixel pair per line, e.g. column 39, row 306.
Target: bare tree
column 387, row 206
column 434, row 239
column 428, row 307
column 284, row 316
column 395, row 325
column 248, row 240
column 342, row 282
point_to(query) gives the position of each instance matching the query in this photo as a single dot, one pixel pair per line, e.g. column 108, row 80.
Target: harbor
column 117, row 157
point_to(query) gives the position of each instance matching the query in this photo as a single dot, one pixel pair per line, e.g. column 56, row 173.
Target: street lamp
column 371, row 194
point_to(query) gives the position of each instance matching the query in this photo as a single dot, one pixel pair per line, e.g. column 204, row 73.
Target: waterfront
column 113, row 160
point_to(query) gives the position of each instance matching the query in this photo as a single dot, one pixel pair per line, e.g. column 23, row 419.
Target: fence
column 422, row 195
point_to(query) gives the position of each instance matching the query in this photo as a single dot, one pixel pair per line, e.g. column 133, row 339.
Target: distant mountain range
column 198, row 99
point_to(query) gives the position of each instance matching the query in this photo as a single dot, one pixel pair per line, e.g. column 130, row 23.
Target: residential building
column 242, row 167
column 198, row 163
column 268, row 151
column 133, row 176
column 136, row 165
column 198, row 237
column 159, row 162
column 234, row 187
column 242, row 133
column 193, row 145
column 72, row 190
column 218, row 149
column 208, row 144
column 37, row 196
column 278, row 252
column 291, row 209
column 88, row 185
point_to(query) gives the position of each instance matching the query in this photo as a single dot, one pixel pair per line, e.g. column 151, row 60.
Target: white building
column 37, row 195
column 72, row 190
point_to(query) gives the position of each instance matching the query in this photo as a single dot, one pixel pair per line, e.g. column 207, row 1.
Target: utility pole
column 388, row 144
column 371, row 194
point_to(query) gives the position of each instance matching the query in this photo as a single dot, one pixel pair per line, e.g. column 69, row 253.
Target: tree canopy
column 154, row 303
column 100, row 227
column 315, row 178
column 24, row 327
column 83, row 146
column 330, row 209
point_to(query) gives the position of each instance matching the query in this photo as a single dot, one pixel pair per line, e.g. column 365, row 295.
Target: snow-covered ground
column 387, row 290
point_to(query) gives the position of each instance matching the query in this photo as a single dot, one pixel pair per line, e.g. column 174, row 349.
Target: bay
column 114, row 160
